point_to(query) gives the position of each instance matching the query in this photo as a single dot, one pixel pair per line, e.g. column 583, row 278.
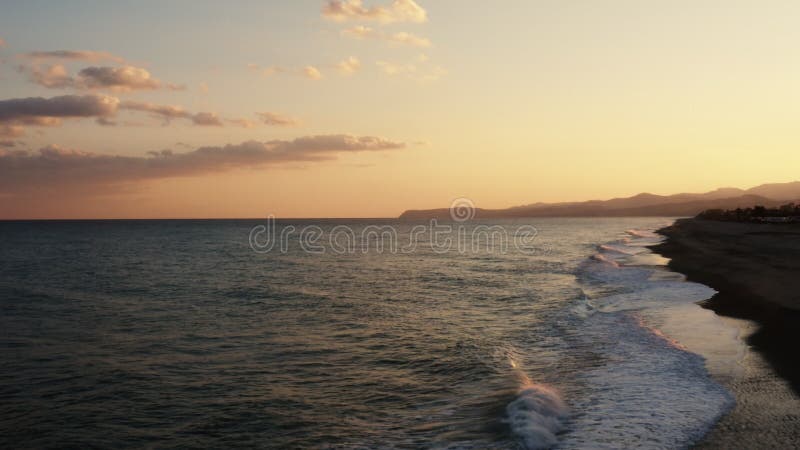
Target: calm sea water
column 178, row 334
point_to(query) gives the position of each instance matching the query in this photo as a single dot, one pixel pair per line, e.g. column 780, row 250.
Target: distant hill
column 768, row 195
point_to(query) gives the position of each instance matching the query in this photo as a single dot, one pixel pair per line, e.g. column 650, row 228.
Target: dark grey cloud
column 39, row 111
column 56, row 167
column 207, row 119
column 106, row 122
column 48, row 111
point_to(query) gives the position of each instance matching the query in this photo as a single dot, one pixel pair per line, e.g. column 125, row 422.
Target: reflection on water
column 176, row 333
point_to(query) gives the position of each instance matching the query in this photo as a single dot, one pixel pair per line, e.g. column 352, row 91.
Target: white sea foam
column 538, row 411
column 536, row 415
column 650, row 390
column 655, row 294
column 651, row 393
column 623, row 249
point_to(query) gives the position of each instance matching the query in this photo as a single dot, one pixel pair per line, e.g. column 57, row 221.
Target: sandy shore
column 756, row 269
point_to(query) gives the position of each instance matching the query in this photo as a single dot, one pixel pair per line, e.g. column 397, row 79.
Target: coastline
column 754, row 268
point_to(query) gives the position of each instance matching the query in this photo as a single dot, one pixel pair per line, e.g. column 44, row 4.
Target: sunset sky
column 315, row 108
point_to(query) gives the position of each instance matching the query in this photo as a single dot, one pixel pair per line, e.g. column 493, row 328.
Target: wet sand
column 756, row 269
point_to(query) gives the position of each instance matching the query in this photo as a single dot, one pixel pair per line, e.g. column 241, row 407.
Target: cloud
column 8, row 144
column 266, row 118
column 390, row 68
column 422, row 74
column 399, row 38
column 48, row 111
column 312, row 72
column 11, row 131
column 348, row 66
column 125, row 78
column 207, row 119
column 396, row 11
column 165, row 112
column 106, row 122
column 169, row 112
column 242, row 122
column 409, row 39
column 271, row 118
column 55, row 167
column 49, row 76
column 361, row 32
column 118, row 79
column 2, row 42
column 265, row 71
column 38, row 111
column 75, row 55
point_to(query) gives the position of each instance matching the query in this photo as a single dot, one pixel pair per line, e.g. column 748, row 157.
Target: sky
column 325, row 108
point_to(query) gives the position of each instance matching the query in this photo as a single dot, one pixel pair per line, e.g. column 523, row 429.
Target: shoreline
column 754, row 268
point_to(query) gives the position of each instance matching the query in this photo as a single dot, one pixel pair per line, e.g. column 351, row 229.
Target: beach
column 754, row 267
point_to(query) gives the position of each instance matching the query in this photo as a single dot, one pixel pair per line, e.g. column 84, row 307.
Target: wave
column 536, row 415
column 538, row 412
column 648, row 390
column 622, row 249
column 648, row 234
column 604, row 259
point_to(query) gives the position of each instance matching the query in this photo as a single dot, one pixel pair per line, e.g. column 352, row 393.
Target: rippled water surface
column 177, row 334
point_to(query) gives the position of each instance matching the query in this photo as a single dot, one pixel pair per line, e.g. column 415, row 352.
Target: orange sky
column 365, row 109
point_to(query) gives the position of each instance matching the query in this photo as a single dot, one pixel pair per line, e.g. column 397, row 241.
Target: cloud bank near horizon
column 55, row 167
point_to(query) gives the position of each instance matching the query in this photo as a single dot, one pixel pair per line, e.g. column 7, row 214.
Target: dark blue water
column 178, row 334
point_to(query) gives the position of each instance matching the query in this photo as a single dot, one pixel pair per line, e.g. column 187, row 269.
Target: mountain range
column 768, row 195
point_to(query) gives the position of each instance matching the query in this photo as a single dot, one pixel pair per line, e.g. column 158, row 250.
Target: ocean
column 196, row 333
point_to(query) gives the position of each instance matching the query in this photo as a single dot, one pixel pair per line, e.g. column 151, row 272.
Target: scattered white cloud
column 396, row 11
column 348, row 66
column 266, row 71
column 409, row 39
column 361, row 32
column 420, row 73
column 312, row 73
column 399, row 38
